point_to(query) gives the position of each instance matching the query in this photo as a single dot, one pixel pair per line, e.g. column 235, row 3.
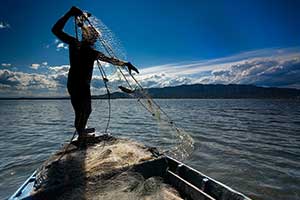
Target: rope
column 104, row 78
column 67, row 147
column 125, row 77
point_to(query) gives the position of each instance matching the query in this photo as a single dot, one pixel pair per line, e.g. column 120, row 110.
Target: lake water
column 250, row 145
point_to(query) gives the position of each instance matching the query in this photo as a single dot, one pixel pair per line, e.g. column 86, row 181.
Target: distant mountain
column 201, row 91
column 217, row 91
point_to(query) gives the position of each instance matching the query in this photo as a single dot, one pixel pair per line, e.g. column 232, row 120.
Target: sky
column 171, row 43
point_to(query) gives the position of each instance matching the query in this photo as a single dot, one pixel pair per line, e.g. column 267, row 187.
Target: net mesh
column 101, row 171
column 174, row 141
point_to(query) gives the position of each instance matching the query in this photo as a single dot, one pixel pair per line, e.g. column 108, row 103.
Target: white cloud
column 35, row 66
column 57, row 44
column 275, row 67
column 29, row 84
column 45, row 63
column 61, row 46
column 21, row 80
column 59, row 74
column 59, row 69
column 6, row 65
column 268, row 67
column 4, row 25
column 279, row 72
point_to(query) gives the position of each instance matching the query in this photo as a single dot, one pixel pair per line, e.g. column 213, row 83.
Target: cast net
column 174, row 141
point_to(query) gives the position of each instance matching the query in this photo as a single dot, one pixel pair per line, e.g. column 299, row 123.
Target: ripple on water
column 251, row 145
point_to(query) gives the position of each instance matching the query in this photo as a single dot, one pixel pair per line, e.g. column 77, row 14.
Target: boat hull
column 188, row 182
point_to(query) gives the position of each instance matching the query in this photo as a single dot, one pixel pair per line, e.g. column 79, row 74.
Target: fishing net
column 174, row 141
column 108, row 38
column 101, row 171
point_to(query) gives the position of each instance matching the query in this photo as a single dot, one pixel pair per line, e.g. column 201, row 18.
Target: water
column 250, row 145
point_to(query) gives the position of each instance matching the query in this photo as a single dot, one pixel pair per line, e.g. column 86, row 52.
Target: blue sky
column 249, row 42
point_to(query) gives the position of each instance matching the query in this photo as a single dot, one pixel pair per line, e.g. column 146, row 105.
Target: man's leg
column 87, row 111
column 77, row 110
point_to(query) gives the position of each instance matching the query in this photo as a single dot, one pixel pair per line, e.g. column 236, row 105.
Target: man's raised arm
column 58, row 27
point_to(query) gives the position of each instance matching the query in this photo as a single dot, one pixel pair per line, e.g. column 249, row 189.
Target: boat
column 107, row 162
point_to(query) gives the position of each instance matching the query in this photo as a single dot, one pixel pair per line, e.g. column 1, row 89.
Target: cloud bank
column 267, row 67
column 4, row 25
column 270, row 67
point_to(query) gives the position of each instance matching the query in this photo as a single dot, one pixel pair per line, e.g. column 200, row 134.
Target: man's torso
column 82, row 59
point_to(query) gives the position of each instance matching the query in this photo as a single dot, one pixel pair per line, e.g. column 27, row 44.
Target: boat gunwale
column 164, row 164
column 209, row 178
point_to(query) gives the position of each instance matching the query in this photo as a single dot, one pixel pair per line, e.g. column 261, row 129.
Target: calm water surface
column 250, row 145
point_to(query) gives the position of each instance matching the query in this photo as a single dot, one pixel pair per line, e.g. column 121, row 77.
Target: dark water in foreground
column 250, row 145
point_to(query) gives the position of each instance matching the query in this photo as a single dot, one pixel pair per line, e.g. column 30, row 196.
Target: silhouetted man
column 82, row 56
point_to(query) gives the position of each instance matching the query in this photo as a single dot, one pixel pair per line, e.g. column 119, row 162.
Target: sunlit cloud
column 29, row 84
column 35, row 66
column 6, row 65
column 62, row 69
column 269, row 67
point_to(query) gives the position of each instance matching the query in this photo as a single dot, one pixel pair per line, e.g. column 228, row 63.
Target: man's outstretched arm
column 58, row 27
column 115, row 61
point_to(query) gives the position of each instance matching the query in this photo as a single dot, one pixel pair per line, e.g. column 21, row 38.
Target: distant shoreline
column 196, row 91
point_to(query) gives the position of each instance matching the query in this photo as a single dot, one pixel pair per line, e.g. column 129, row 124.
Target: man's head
column 89, row 34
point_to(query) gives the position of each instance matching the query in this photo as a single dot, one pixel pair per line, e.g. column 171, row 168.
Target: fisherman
column 82, row 56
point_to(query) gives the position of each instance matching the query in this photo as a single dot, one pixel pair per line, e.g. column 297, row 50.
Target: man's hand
column 75, row 11
column 131, row 67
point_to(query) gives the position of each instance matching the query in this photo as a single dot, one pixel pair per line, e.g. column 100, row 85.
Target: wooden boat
column 108, row 159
